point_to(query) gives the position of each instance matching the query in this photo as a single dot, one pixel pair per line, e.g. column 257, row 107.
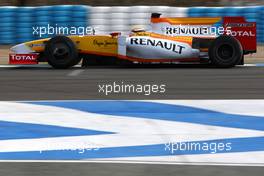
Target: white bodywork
column 147, row 47
column 21, row 49
column 154, row 48
column 184, row 30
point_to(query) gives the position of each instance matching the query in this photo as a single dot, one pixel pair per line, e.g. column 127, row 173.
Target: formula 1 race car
column 220, row 41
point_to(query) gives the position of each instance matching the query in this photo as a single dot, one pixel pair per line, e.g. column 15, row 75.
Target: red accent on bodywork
column 23, row 59
column 135, row 59
column 243, row 31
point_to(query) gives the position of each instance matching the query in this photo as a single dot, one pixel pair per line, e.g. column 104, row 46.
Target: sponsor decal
column 240, row 24
column 104, row 43
column 158, row 43
column 241, row 29
column 188, row 30
column 37, row 45
column 23, row 58
column 241, row 33
column 209, row 30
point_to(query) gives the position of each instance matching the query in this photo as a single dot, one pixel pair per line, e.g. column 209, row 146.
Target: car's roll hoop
column 155, row 15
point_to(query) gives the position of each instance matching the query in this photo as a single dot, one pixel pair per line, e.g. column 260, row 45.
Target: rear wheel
column 61, row 52
column 225, row 51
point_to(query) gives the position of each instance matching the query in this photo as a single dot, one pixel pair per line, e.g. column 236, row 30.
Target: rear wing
column 244, row 31
column 208, row 27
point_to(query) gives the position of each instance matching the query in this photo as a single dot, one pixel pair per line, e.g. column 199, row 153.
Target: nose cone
column 21, row 49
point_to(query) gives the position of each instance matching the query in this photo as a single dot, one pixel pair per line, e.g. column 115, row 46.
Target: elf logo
column 23, row 58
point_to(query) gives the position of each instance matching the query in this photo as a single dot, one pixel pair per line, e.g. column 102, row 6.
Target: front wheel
column 225, row 51
column 61, row 52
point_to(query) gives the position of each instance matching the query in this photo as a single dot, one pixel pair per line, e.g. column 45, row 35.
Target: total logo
column 241, row 33
column 23, row 57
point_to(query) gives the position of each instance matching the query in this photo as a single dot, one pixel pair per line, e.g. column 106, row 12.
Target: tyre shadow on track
column 132, row 66
column 150, row 66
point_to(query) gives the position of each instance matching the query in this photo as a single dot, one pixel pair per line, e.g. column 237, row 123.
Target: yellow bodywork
column 94, row 44
column 105, row 45
column 184, row 39
column 188, row 20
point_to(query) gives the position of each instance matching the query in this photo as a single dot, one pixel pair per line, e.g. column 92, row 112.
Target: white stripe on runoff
column 239, row 107
column 130, row 131
column 233, row 159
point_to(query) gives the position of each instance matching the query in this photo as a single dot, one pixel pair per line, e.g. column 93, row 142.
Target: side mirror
column 115, row 34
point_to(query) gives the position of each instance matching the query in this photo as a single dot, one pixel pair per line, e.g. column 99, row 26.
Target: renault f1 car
column 220, row 41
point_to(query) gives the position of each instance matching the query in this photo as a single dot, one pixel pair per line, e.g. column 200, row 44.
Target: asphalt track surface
column 182, row 82
column 86, row 169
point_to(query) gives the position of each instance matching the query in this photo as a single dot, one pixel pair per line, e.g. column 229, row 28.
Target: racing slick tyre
column 225, row 51
column 61, row 52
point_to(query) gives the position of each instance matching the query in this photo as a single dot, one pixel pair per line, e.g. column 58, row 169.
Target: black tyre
column 225, row 51
column 61, row 52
